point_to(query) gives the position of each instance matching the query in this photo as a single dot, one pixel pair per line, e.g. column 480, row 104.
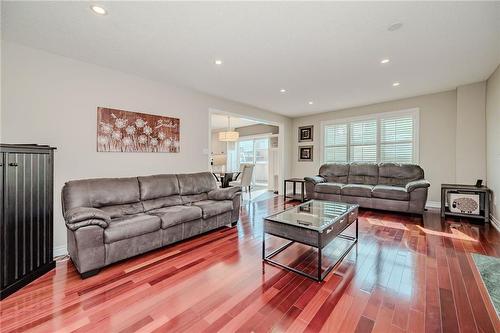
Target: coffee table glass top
column 315, row 214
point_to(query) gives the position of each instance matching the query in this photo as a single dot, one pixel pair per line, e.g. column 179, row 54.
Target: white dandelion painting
column 125, row 131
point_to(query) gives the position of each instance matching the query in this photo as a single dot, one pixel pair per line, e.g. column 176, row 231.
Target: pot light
column 310, row 102
column 385, row 61
column 218, row 62
column 98, row 10
column 396, row 84
column 282, row 91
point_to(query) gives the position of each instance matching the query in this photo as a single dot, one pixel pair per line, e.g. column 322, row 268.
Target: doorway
column 257, row 143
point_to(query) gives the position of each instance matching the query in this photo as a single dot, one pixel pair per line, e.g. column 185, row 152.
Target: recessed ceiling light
column 395, row 26
column 385, row 61
column 395, row 84
column 310, row 102
column 98, row 10
column 218, row 62
column 282, row 91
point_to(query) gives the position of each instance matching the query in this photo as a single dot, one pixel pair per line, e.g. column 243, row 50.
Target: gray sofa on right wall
column 386, row 186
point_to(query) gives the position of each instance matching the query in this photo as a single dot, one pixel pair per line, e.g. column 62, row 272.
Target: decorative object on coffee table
column 305, row 153
column 465, row 201
column 306, row 133
column 316, row 223
column 124, row 131
column 301, row 196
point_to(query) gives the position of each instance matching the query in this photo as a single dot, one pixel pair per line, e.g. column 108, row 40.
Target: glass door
column 256, row 151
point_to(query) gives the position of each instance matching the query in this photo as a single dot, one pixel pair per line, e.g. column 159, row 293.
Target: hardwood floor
column 405, row 275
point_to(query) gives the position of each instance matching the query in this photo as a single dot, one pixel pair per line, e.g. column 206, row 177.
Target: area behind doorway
column 256, row 143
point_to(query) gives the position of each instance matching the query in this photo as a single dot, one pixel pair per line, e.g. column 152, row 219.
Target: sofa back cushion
column 396, row 174
column 335, row 172
column 363, row 173
column 115, row 211
column 188, row 199
column 196, row 183
column 157, row 186
column 100, row 192
column 159, row 191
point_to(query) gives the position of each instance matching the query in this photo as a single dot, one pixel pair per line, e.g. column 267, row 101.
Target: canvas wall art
column 125, row 131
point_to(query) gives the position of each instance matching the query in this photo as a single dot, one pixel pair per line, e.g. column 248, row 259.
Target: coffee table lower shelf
column 320, row 272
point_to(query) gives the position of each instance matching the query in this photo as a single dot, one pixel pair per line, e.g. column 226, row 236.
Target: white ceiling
column 327, row 52
column 220, row 122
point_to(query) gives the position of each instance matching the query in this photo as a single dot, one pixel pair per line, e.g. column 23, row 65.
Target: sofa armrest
column 421, row 183
column 83, row 216
column 315, row 180
column 227, row 193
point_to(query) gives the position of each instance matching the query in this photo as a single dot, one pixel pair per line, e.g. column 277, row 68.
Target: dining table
column 226, row 177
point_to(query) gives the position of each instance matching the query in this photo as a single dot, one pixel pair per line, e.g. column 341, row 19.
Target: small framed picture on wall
column 305, row 153
column 306, row 133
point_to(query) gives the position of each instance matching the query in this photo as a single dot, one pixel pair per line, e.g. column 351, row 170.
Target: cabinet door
column 27, row 220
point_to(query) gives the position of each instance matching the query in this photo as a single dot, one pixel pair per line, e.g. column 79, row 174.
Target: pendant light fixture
column 229, row 135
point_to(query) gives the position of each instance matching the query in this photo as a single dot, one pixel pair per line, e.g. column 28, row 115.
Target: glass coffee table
column 315, row 223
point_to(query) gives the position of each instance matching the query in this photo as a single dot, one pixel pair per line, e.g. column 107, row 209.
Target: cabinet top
column 464, row 187
column 21, row 146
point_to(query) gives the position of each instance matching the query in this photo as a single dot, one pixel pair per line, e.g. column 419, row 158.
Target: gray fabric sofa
column 386, row 186
column 110, row 219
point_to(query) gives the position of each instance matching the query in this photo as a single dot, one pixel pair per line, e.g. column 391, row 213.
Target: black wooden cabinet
column 26, row 214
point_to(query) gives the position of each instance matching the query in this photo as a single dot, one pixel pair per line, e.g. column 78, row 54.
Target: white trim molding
column 433, row 204
column 60, row 250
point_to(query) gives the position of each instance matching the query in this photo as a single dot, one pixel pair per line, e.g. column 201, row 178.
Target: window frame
column 413, row 112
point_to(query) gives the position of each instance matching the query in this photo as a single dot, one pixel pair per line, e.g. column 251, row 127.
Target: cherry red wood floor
column 407, row 274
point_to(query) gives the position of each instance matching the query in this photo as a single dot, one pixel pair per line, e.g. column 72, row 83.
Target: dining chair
column 245, row 179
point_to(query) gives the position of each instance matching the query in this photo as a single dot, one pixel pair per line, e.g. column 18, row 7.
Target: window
column 396, row 140
column 336, row 143
column 363, row 141
column 385, row 137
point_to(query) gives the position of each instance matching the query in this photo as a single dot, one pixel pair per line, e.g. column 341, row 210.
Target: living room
column 352, row 188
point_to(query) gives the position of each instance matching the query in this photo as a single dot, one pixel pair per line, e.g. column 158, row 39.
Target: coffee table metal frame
column 320, row 273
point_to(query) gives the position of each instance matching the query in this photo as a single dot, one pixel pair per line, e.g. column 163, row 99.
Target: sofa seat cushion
column 390, row 192
column 175, row 215
column 214, row 207
column 328, row 188
column 131, row 226
column 357, row 190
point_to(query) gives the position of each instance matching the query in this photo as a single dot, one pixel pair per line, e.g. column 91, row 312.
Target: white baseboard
column 494, row 222
column 60, row 250
column 433, row 204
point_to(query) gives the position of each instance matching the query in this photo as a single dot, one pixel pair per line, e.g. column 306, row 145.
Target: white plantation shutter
column 363, row 141
column 396, row 140
column 335, row 147
column 385, row 137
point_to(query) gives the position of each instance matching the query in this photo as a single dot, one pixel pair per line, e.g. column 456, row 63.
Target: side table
column 294, row 196
column 484, row 200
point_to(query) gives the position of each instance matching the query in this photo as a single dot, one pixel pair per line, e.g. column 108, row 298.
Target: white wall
column 218, row 147
column 49, row 99
column 470, row 156
column 493, row 141
column 438, row 114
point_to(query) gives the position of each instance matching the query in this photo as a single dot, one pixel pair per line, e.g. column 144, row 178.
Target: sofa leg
column 89, row 273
